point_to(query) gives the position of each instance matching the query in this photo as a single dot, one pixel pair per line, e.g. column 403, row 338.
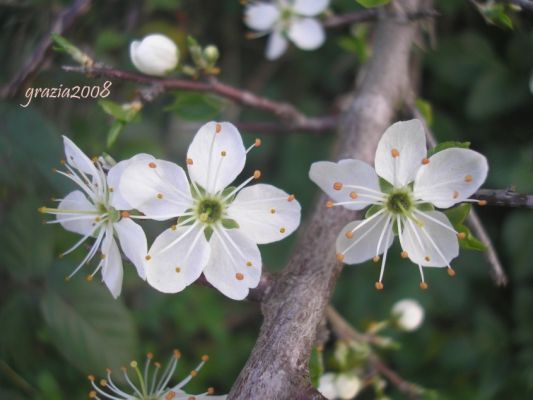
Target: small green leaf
column 114, row 109
column 372, row 3
column 193, row 106
column 425, row 109
column 372, row 210
column 425, row 207
column 316, row 366
column 116, row 129
column 230, row 224
column 386, row 187
column 62, row 44
column 448, row 145
column 183, row 218
column 458, row 214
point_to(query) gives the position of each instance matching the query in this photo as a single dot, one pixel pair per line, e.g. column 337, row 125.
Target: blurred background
column 476, row 341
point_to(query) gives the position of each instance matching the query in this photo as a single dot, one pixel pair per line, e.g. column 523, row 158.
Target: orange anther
column 218, row 128
column 258, row 142
column 423, row 285
column 378, row 285
column 427, row 258
column 482, row 202
column 205, row 358
column 239, row 276
column 461, row 235
column 337, row 186
column 455, row 194
column 354, row 195
column 125, row 214
column 340, row 257
column 376, row 259
column 290, row 198
column 329, row 204
column 152, row 165
column 404, row 254
column 468, row 178
column 394, row 153
column 257, row 174
column 349, row 234
column 425, row 161
column 189, row 161
column 451, row 271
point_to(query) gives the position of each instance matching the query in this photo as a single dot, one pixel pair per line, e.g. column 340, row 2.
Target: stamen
column 425, row 161
column 125, row 214
column 152, row 165
column 257, row 143
column 239, row 276
column 451, row 271
column 189, row 161
column 337, row 186
column 272, row 211
column 455, row 194
column 404, row 254
column 461, row 236
column 349, row 234
column 218, row 128
column 340, row 257
column 423, row 284
column 468, row 178
column 378, row 285
column 394, row 153
column 281, row 230
column 290, row 198
column 329, row 204
column 353, row 195
column 482, row 202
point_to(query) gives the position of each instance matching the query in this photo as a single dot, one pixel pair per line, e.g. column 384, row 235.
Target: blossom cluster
column 215, row 229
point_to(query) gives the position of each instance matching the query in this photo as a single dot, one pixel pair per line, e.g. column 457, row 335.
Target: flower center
column 399, row 202
column 209, row 210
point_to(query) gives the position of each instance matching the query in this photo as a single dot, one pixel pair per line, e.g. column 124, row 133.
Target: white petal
column 173, row 268
column 158, row 188
column 234, row 265
column 261, row 16
column 112, row 271
column 76, row 201
column 431, row 245
column 77, row 158
column 400, row 152
column 133, row 243
column 310, row 8
column 113, row 180
column 327, row 385
column 155, row 55
column 451, row 176
column 276, row 46
column 216, row 156
column 307, row 33
column 363, row 245
column 359, row 182
column 265, row 213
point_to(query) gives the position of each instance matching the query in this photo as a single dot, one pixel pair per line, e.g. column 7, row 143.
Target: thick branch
column 63, row 21
column 290, row 115
column 504, row 198
column 373, row 14
column 525, row 4
column 278, row 365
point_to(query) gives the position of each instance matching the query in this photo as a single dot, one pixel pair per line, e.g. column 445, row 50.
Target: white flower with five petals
column 416, row 185
column 287, row 20
column 218, row 227
column 95, row 212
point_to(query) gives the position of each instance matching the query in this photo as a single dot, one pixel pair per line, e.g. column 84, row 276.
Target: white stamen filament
column 90, row 254
column 436, row 248
column 179, row 385
column 382, row 270
column 381, row 236
column 420, row 269
column 179, row 239
column 371, row 191
column 425, row 215
column 246, row 182
column 363, row 235
column 83, row 239
column 366, row 221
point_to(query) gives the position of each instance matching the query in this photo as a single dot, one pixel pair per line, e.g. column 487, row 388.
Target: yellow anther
column 249, row 263
column 159, row 196
column 272, row 211
column 482, row 202
column 92, row 394
column 149, row 355
column 425, row 161
column 376, row 259
column 178, row 270
column 378, row 285
column 62, row 162
column 103, row 382
column 210, row 390
column 461, row 235
column 349, row 234
column 239, row 276
column 281, row 230
column 340, row 257
column 108, row 370
column 148, row 257
column 451, row 271
column 173, row 227
column 133, row 364
column 337, row 186
column 257, row 174
column 111, row 190
column 42, row 210
column 258, row 142
column 354, row 195
column 194, row 373
column 223, row 153
column 89, row 278
column 125, row 214
column 468, row 178
column 157, row 364
column 205, row 358
column 91, row 378
column 189, row 161
column 218, row 128
column 177, row 354
column 329, row 204
column 394, row 153
column 404, row 254
column 170, row 395
column 423, row 285
column 152, row 165
column 290, row 198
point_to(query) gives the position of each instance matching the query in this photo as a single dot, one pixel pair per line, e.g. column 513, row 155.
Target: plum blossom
column 95, row 212
column 342, row 386
column 155, row 55
column 403, row 203
column 149, row 383
column 408, row 314
column 286, row 20
column 218, row 226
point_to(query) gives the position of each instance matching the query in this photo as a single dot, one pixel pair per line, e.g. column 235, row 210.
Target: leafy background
column 476, row 342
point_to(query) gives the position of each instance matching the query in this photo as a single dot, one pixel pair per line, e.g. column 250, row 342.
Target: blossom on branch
column 155, row 55
column 342, row 386
column 286, row 20
column 408, row 314
column 149, row 383
column 403, row 191
column 95, row 212
column 218, row 226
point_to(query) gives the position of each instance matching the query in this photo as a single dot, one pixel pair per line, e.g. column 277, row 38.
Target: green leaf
column 62, row 44
column 372, row 3
column 116, row 110
column 316, row 366
column 458, row 214
column 193, row 106
column 230, row 224
column 448, row 145
column 116, row 129
column 425, row 109
column 470, row 242
column 89, row 328
column 20, row 253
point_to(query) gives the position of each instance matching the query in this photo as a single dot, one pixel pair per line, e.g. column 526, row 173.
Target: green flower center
column 209, row 211
column 399, row 202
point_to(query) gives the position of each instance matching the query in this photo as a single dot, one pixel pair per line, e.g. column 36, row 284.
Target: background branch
column 64, row 20
column 372, row 14
column 525, row 4
column 504, row 198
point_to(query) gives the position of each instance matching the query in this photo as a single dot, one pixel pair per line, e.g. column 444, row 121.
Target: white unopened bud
column 408, row 313
column 348, row 385
column 211, row 53
column 155, row 55
column 326, row 386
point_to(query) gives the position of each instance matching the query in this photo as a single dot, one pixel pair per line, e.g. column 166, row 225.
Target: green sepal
column 183, row 218
column 230, row 224
column 226, row 192
column 448, row 145
column 385, row 186
column 457, row 216
column 208, row 232
column 194, row 191
column 425, row 207
column 316, row 366
column 373, row 209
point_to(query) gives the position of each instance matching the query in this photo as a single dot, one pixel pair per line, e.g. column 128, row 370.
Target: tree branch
column 504, row 198
column 372, row 14
column 525, row 4
column 64, row 20
column 289, row 115
column 278, row 365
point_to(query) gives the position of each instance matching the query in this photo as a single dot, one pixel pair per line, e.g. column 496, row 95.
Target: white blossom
column 95, row 212
column 149, row 383
column 403, row 203
column 155, row 55
column 218, row 226
column 342, row 386
column 287, row 20
column 408, row 314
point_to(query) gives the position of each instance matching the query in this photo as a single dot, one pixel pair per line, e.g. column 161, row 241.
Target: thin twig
column 345, row 331
column 504, row 198
column 372, row 14
column 64, row 20
column 525, row 4
column 288, row 114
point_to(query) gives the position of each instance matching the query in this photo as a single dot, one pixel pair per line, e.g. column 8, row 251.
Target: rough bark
column 277, row 367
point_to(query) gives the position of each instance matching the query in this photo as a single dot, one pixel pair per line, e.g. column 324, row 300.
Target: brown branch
column 289, row 115
column 325, row 127
column 525, row 4
column 504, row 198
column 278, row 365
column 63, row 21
column 373, row 14
column 345, row 331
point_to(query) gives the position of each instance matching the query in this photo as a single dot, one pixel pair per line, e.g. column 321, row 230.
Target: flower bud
column 326, row 385
column 348, row 385
column 155, row 55
column 408, row 314
column 211, row 54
